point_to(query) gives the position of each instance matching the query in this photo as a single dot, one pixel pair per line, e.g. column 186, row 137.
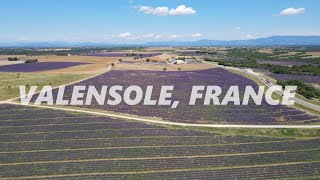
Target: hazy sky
column 155, row 20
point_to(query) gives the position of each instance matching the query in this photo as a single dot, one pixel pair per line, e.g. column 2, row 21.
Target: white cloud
column 237, row 28
column 196, row 35
column 151, row 36
column 292, row 11
column 125, row 35
column 249, row 36
column 182, row 10
column 165, row 11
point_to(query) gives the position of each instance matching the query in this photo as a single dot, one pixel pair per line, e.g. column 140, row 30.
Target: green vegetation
column 278, row 54
column 13, row 59
column 250, row 57
column 31, row 61
column 10, row 82
column 305, row 90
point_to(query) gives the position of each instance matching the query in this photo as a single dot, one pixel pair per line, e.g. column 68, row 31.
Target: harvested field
column 41, row 143
column 313, row 54
column 6, row 62
column 129, row 54
column 39, row 66
column 93, row 65
column 199, row 113
column 159, row 66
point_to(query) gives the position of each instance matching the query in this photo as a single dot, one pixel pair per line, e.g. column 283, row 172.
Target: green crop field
column 10, row 82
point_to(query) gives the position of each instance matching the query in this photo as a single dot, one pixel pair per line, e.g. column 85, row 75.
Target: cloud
column 165, row 11
column 182, row 10
column 292, row 11
column 196, row 35
column 237, row 28
column 151, row 36
column 125, row 35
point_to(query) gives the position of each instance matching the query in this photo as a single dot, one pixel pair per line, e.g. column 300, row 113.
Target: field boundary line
column 145, row 147
column 156, row 157
column 51, row 118
column 97, row 130
column 87, row 139
column 165, row 171
column 44, row 125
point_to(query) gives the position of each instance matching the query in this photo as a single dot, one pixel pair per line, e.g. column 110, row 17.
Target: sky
column 137, row 21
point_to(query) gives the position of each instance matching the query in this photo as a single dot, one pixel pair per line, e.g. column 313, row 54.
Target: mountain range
column 268, row 41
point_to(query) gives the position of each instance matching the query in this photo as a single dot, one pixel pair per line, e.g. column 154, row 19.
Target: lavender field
column 183, row 82
column 303, row 78
column 41, row 143
column 283, row 63
column 39, row 66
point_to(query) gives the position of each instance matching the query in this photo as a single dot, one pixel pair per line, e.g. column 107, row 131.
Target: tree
column 112, row 64
column 31, row 61
column 179, row 69
column 164, row 69
column 120, row 60
column 148, row 60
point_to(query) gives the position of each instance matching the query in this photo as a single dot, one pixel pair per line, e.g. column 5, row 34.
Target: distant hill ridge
column 268, row 41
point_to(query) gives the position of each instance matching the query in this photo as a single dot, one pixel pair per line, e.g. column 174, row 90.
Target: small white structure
column 179, row 62
column 176, row 61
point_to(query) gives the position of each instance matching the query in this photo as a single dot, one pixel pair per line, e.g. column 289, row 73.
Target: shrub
column 13, row 59
column 31, row 61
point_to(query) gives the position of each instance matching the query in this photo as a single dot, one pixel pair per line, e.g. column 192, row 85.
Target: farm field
column 39, row 66
column 94, row 65
column 57, row 70
column 183, row 81
column 41, row 143
column 123, row 54
column 10, row 82
column 303, row 78
column 283, row 63
column 132, row 65
column 313, row 54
